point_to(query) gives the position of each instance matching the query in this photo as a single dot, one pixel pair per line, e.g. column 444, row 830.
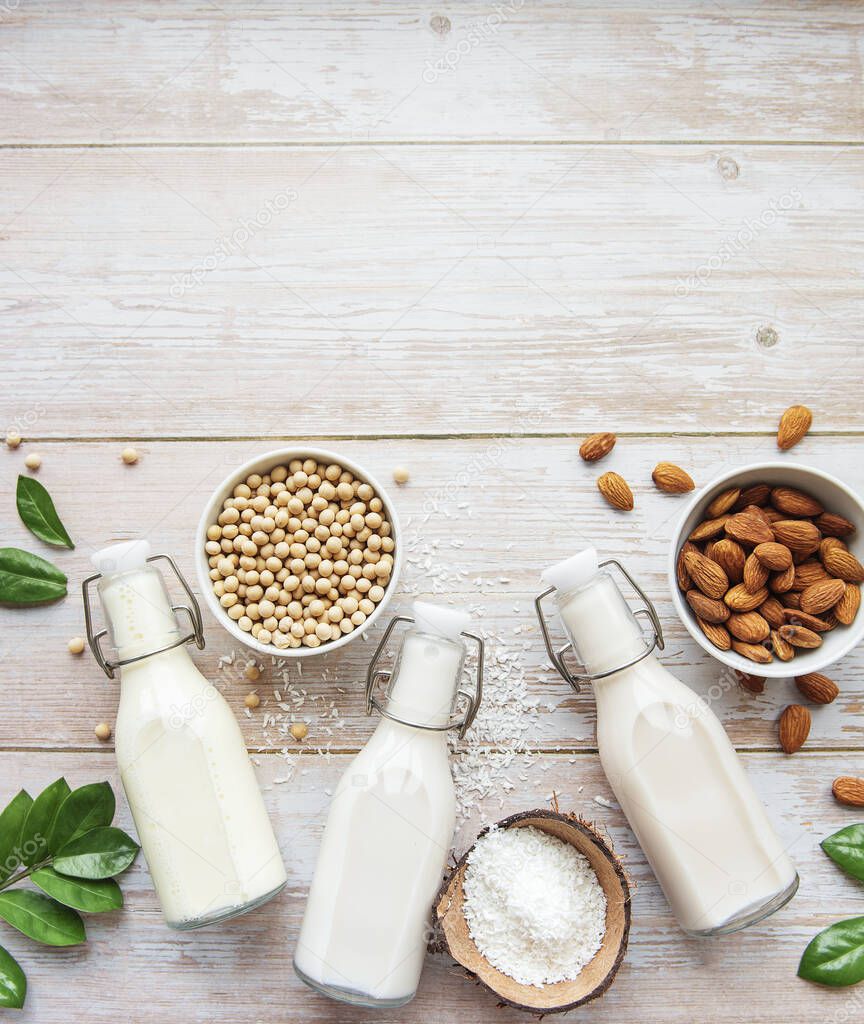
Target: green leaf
column 101, row 853
column 836, row 955
column 38, row 513
column 28, row 579
column 89, row 807
column 846, row 848
column 90, row 895
column 13, row 984
column 11, row 822
column 39, row 824
column 41, row 918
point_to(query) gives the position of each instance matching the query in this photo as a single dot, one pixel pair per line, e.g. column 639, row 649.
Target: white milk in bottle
column 675, row 773
column 389, row 830
column 187, row 777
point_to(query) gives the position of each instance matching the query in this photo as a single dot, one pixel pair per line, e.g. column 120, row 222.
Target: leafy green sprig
column 62, row 843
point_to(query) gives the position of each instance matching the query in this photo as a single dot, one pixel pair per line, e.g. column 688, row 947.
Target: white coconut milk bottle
column 390, row 825
column 668, row 759
column 186, row 774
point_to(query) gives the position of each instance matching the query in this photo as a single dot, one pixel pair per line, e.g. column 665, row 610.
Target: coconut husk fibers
column 597, row 975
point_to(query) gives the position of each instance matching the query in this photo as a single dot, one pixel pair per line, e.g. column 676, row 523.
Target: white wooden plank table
column 457, row 240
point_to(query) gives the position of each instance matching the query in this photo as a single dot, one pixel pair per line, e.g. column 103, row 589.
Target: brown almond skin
column 795, row 617
column 783, row 650
column 843, row 564
column 616, row 491
column 730, row 556
column 683, row 577
column 821, row 596
column 724, row 502
column 774, row 556
column 706, row 575
column 707, row 608
column 755, row 574
column 796, row 534
column 716, row 633
column 794, row 728
column 773, row 612
column 597, row 446
column 749, row 528
column 707, row 529
column 849, row 790
column 807, row 573
column 757, row 494
column 793, row 427
column 755, row 652
column 800, row 636
column 818, row 688
column 740, row 599
column 781, row 582
column 755, row 684
column 831, row 525
column 791, row 599
column 847, row 607
column 794, row 502
column 749, row 627
column 671, row 478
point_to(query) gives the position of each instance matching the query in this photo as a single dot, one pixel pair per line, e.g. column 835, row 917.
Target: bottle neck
column 425, row 679
column 138, row 612
column 602, row 628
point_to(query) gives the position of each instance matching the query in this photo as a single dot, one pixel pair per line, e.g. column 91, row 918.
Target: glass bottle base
column 351, row 996
column 751, row 915
column 220, row 916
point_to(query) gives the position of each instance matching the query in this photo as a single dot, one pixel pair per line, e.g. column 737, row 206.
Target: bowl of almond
column 765, row 569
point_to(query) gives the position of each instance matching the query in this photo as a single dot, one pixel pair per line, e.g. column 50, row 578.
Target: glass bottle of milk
column 669, row 761
column 187, row 777
column 390, row 825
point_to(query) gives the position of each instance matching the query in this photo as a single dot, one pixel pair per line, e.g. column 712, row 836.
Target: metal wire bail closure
column 192, row 610
column 376, row 677
column 576, row 679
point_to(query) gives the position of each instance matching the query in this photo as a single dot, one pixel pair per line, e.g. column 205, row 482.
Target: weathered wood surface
column 510, row 70
column 243, row 971
column 400, row 289
column 531, row 501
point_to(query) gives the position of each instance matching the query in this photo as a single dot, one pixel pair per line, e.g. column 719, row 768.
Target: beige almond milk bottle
column 668, row 759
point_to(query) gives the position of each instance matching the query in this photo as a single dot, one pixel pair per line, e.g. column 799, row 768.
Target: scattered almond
column 597, row 446
column 616, row 491
column 849, row 790
column 672, row 479
column 794, row 424
column 794, row 728
column 816, row 687
column 755, row 684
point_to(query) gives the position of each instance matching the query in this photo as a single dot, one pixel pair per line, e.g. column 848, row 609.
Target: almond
column 717, row 634
column 707, row 575
column 671, row 478
column 755, row 684
column 749, row 528
column 708, row 528
column 755, row 652
column 780, row 582
column 616, row 491
column 755, row 574
column 773, row 612
column 774, row 556
column 796, row 534
column 794, row 728
column 816, row 687
column 843, row 564
column 847, row 607
column 684, row 581
column 596, row 446
column 740, row 599
column 730, row 556
column 795, row 503
column 795, row 617
column 800, row 636
column 791, row 600
column 832, row 525
column 707, row 608
column 723, row 502
column 821, row 596
column 829, row 544
column 807, row 573
column 794, row 424
column 757, row 494
column 784, row 651
column 849, row 790
column 749, row 627
column 772, row 515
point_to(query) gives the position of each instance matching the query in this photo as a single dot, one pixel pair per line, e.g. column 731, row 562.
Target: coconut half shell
column 597, row 975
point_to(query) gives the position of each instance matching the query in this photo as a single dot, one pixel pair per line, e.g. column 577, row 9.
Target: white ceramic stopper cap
column 123, row 557
column 435, row 618
column 573, row 572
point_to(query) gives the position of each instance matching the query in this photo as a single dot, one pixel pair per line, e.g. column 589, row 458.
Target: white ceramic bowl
column 263, row 464
column 836, row 497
